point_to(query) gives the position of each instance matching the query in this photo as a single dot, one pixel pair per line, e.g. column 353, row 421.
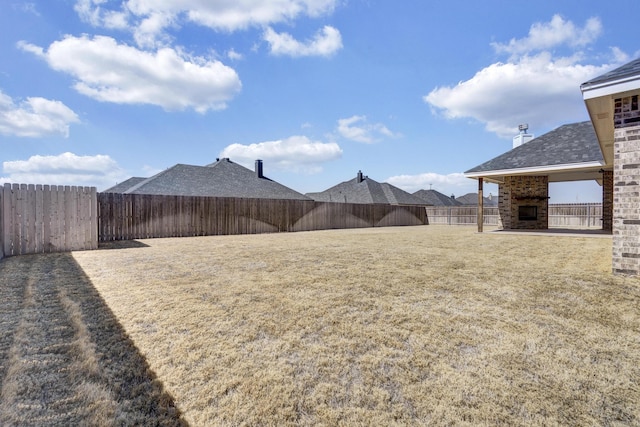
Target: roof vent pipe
column 359, row 177
column 259, row 169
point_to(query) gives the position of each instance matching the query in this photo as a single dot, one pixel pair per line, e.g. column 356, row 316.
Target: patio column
column 480, row 206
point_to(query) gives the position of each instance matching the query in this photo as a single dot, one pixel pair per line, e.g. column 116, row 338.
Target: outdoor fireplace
column 527, row 213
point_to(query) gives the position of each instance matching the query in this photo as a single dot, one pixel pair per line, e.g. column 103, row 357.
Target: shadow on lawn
column 36, row 291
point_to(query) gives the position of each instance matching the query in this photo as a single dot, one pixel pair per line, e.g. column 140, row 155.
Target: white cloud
column 533, row 86
column 121, row 74
column 357, row 129
column 35, row 117
column 296, row 154
column 64, row 169
column 325, row 43
column 27, row 7
column 148, row 19
column 93, row 12
column 451, row 184
column 233, row 55
column 150, row 171
column 547, row 35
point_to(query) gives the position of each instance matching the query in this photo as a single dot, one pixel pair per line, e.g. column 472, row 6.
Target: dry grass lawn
column 427, row 325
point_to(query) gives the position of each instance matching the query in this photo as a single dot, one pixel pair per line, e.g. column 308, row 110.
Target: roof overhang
column 599, row 99
column 557, row 173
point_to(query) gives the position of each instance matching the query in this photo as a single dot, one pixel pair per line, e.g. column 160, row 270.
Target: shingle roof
column 435, row 198
column 572, row 143
column 124, row 185
column 366, row 190
column 630, row 69
column 223, row 178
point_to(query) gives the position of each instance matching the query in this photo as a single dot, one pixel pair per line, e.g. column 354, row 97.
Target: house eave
column 569, row 172
column 608, row 88
column 599, row 100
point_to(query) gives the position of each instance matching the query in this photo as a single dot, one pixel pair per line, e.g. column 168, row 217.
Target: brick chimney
column 259, row 169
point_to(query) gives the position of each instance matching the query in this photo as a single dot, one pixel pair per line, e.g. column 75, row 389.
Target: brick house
column 612, row 103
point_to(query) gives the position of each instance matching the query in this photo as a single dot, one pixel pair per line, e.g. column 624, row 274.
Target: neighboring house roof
column 435, row 198
column 124, row 185
column 569, row 152
column 471, row 199
column 223, row 178
column 363, row 189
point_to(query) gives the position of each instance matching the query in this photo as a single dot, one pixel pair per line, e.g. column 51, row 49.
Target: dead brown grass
column 406, row 326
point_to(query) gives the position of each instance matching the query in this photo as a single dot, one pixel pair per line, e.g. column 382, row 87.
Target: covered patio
column 523, row 174
column 568, row 153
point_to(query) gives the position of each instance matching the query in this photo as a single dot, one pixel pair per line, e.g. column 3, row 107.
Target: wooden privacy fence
column 43, row 218
column 134, row 216
column 579, row 215
column 461, row 215
column 586, row 215
column 47, row 218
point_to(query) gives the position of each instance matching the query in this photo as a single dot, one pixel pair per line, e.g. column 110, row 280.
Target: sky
column 412, row 93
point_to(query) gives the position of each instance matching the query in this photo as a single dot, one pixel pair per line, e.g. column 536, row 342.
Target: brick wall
column 626, row 200
column 530, row 192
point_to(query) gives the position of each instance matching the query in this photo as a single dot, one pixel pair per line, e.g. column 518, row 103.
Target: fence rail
column 44, row 218
column 133, row 216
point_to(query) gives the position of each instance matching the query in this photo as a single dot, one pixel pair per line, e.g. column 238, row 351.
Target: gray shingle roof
column 435, row 198
column 124, row 185
column 223, row 178
column 366, row 190
column 630, row 69
column 572, row 143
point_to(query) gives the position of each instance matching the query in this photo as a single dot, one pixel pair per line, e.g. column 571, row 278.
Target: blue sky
column 412, row 93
